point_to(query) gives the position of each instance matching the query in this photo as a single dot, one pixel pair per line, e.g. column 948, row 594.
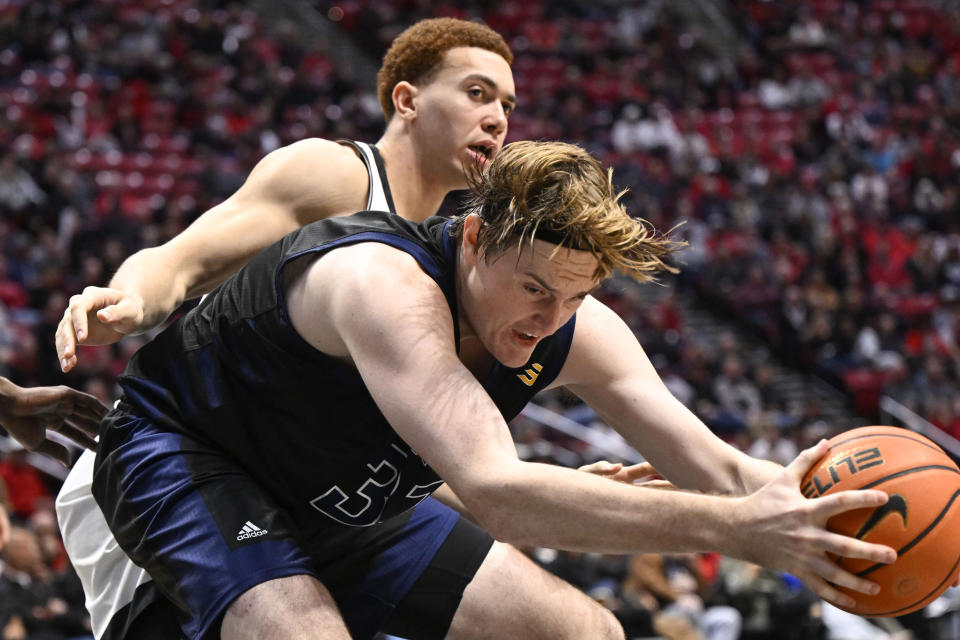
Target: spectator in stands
column 43, row 523
column 30, row 604
column 879, row 343
column 679, row 587
column 932, row 385
column 772, row 444
column 736, row 393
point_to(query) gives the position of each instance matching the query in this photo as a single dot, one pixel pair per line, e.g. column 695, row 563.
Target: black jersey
column 235, row 373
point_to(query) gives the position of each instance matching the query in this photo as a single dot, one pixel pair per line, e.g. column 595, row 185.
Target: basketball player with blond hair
column 269, row 458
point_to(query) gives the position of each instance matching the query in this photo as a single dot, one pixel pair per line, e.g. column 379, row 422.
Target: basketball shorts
column 206, row 532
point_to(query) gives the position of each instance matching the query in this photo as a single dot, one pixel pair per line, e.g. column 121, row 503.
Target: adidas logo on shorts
column 251, row 530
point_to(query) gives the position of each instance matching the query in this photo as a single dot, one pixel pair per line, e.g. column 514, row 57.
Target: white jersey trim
column 108, row 576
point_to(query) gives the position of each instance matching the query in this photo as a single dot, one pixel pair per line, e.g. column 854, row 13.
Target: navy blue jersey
column 234, row 373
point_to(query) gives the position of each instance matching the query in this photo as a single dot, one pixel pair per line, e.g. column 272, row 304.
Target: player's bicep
column 221, row 240
column 310, row 180
column 287, row 189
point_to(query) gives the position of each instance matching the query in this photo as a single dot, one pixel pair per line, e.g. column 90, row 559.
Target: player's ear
column 471, row 233
column 404, row 102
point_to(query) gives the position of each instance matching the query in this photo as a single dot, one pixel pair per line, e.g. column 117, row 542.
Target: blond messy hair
column 416, row 54
column 558, row 192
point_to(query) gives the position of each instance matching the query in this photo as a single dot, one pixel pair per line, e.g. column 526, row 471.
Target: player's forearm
column 536, row 504
column 755, row 473
column 149, row 276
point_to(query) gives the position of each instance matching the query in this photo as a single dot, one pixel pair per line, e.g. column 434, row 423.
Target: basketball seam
column 917, row 538
column 906, row 472
column 919, row 603
column 834, row 445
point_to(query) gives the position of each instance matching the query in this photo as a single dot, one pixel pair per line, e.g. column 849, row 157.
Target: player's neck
column 416, row 194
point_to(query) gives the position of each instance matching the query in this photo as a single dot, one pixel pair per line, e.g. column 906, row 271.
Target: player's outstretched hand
column 642, row 473
column 96, row 316
column 781, row 529
column 27, row 413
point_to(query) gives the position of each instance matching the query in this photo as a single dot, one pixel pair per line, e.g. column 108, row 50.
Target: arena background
column 810, row 149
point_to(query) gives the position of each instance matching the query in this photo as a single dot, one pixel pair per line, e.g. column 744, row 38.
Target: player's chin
column 515, row 357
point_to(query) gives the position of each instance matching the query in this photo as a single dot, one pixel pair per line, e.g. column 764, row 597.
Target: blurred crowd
column 809, row 155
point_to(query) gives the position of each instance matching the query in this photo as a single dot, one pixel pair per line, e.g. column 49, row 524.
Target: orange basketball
column 920, row 521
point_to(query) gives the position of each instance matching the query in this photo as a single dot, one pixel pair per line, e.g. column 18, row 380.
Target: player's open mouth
column 525, row 338
column 482, row 151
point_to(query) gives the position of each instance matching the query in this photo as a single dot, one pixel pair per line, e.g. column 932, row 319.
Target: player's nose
column 495, row 120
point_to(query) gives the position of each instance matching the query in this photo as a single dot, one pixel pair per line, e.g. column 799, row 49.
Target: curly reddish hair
column 417, row 52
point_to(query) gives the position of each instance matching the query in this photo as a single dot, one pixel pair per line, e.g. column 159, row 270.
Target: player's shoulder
column 310, row 151
column 377, row 262
column 599, row 329
column 316, row 176
column 594, row 312
column 381, row 271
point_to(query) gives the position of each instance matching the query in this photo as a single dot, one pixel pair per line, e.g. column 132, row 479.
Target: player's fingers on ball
column 848, row 547
column 836, row 576
column 836, row 503
column 803, row 462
